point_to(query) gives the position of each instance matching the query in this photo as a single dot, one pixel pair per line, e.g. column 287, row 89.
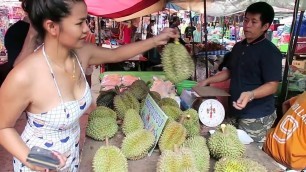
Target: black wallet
column 43, row 158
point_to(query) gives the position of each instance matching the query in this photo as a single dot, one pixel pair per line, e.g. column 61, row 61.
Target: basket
column 184, row 85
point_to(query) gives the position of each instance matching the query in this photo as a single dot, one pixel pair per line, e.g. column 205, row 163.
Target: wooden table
column 148, row 164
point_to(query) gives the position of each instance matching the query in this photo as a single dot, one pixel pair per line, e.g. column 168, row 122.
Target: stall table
column 148, row 164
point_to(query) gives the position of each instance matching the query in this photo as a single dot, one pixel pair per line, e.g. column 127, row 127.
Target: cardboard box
column 301, row 64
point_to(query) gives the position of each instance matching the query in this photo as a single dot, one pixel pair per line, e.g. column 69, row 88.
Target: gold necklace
column 73, row 71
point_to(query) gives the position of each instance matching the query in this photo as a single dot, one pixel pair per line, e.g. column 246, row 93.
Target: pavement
column 6, row 159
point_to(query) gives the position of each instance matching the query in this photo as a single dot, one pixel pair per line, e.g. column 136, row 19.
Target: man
column 255, row 71
column 189, row 31
column 150, row 33
column 287, row 142
column 20, row 40
column 175, row 23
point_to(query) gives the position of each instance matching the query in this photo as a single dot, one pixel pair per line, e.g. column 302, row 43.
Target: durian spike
column 223, row 127
column 106, row 141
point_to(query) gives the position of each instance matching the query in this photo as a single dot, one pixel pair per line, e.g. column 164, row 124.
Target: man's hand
column 202, row 83
column 244, row 99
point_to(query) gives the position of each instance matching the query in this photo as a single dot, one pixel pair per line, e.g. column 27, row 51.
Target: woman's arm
column 99, row 55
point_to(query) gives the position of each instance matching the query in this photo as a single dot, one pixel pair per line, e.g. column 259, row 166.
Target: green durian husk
column 172, row 112
column 132, row 122
column 137, row 144
column 100, row 128
column 109, row 159
column 102, row 111
column 167, row 101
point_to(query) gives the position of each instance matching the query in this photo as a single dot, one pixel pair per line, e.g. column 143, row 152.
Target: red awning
column 117, row 8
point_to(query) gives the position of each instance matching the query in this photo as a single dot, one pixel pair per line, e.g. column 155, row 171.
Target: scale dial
column 211, row 112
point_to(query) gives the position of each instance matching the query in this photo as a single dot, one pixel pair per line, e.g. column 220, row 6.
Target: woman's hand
column 165, row 35
column 61, row 158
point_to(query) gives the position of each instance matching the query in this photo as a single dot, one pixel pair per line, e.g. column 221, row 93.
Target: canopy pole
column 99, row 31
column 289, row 57
column 205, row 39
column 141, row 29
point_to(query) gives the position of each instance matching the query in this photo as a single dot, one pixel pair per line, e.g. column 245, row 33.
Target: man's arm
column 222, row 76
column 260, row 92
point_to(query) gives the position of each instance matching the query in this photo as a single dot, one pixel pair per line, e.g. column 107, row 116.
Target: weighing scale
column 211, row 111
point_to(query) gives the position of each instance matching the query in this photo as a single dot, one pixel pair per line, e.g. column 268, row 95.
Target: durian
column 125, row 101
column 109, row 159
column 137, row 144
column 172, row 112
column 106, row 98
column 225, row 144
column 230, row 165
column 102, row 111
column 192, row 123
column 132, row 121
column 177, row 63
column 100, row 128
column 238, row 165
column 173, row 134
column 139, row 89
column 180, row 160
column 200, row 151
column 167, row 101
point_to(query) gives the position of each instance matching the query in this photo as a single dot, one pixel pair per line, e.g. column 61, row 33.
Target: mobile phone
column 43, row 158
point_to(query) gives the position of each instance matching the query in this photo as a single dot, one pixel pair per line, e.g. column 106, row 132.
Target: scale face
column 211, row 112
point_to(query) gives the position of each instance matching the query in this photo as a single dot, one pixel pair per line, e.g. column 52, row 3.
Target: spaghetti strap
column 52, row 74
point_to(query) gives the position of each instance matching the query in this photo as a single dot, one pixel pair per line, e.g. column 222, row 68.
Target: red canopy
column 116, row 8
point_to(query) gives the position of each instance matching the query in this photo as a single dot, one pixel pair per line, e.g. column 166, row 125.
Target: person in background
column 197, row 34
column 189, row 31
column 255, row 70
column 17, row 36
column 50, row 83
column 183, row 28
column 127, row 32
column 174, row 24
column 286, row 143
column 150, row 33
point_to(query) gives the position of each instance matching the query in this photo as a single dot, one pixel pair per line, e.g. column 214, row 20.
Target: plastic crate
column 144, row 75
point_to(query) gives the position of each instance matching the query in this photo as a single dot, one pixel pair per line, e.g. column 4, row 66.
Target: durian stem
column 176, row 41
column 106, row 141
column 175, row 148
column 183, row 117
column 223, row 127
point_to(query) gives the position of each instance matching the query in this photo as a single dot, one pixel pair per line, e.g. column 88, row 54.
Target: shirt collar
column 259, row 39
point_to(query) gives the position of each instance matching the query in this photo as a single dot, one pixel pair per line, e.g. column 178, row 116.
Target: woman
column 50, row 83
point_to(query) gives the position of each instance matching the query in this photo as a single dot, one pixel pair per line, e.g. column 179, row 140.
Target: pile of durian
column 181, row 146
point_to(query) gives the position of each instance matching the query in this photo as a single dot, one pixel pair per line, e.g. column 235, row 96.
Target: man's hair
column 264, row 9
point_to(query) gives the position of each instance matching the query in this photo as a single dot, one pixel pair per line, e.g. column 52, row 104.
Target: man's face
column 252, row 26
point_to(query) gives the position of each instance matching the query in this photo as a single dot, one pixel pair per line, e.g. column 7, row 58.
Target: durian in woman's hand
column 109, row 159
column 177, row 63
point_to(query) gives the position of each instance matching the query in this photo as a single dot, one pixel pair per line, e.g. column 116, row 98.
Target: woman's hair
column 41, row 10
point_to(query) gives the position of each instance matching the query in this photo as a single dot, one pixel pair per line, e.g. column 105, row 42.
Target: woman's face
column 73, row 27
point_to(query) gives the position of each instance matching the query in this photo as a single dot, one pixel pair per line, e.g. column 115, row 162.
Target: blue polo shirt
column 252, row 65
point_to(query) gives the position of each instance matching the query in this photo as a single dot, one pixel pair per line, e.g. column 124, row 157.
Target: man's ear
column 265, row 27
column 51, row 27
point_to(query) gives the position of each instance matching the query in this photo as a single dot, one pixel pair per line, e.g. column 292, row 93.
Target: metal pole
column 99, row 31
column 141, row 29
column 284, row 89
column 205, row 39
